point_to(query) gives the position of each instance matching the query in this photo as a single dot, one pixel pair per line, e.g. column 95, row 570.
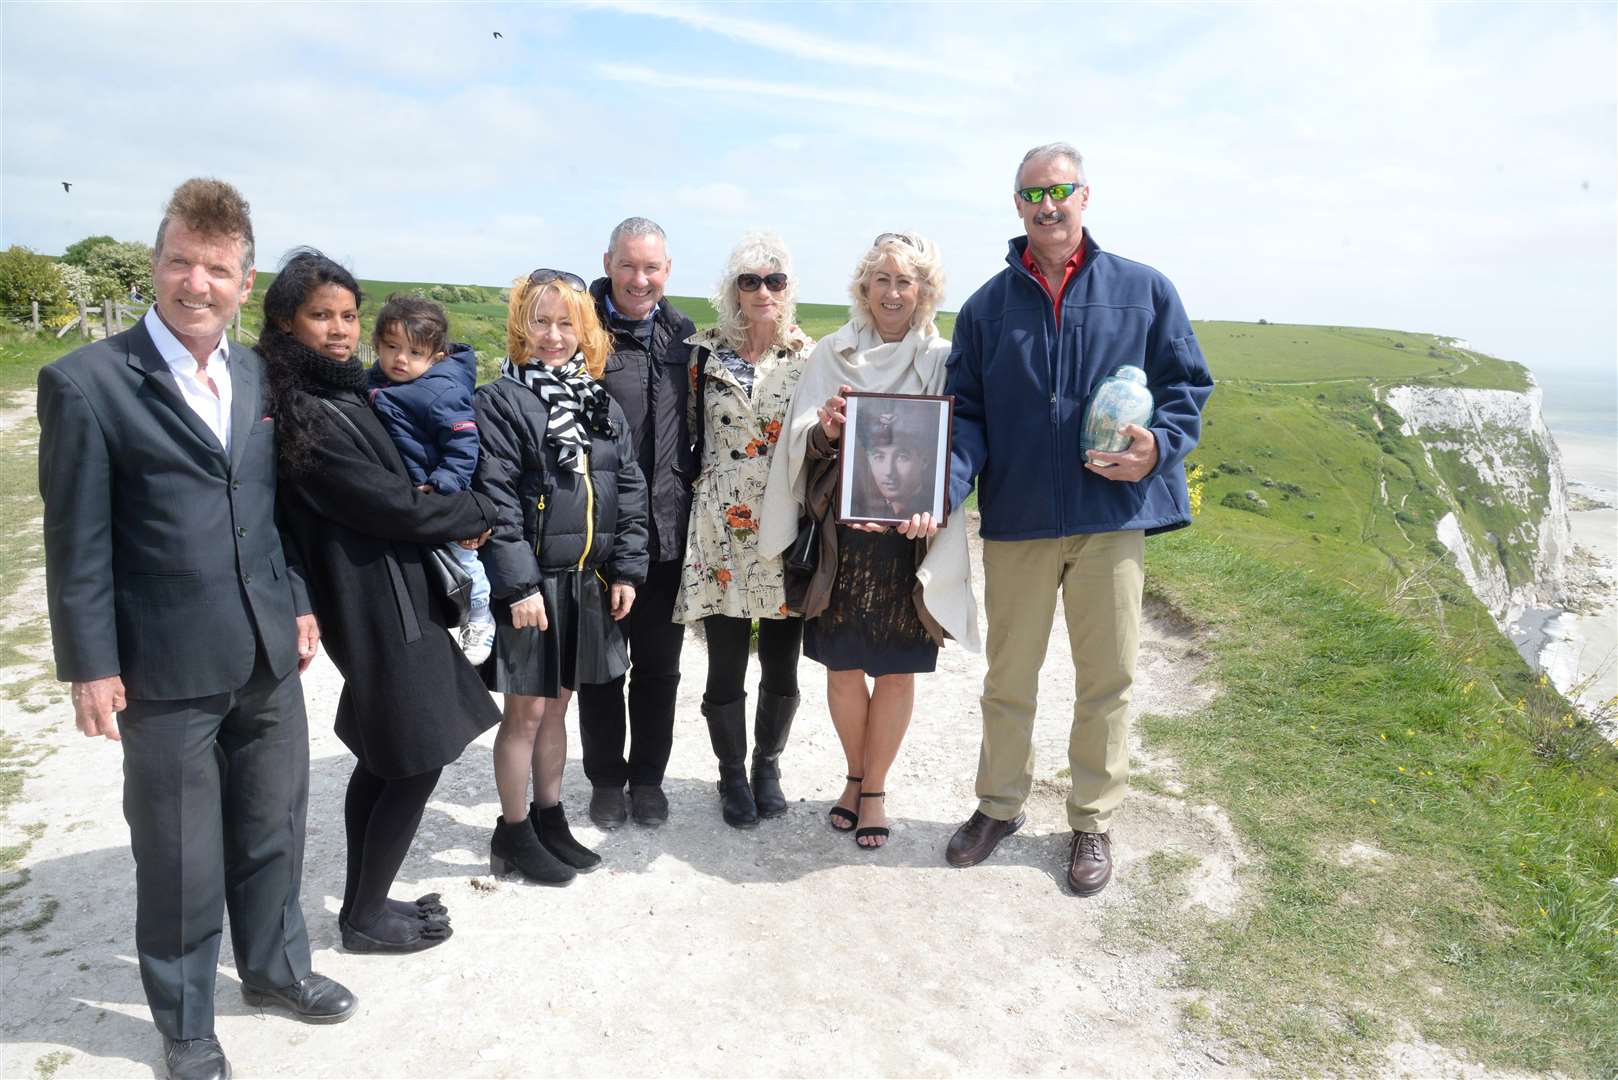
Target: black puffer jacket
column 600, row 519
column 651, row 387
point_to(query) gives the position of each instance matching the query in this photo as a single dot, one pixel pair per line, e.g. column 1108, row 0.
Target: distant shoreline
column 1575, row 645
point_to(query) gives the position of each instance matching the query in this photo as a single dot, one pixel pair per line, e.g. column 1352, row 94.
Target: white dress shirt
column 213, row 410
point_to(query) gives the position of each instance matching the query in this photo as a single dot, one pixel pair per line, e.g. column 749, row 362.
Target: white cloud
column 1416, row 165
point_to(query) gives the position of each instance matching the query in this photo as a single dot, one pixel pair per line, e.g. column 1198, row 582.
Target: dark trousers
column 215, row 791
column 655, row 641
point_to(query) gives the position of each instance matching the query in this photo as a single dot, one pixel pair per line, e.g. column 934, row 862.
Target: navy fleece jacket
column 1021, row 384
column 432, row 421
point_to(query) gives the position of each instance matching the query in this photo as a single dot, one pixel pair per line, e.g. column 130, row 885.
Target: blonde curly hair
column 917, row 256
column 755, row 251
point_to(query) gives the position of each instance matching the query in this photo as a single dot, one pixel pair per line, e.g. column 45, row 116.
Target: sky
column 1433, row 167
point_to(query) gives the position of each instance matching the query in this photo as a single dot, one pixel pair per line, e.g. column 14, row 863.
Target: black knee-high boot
column 727, row 730
column 770, row 729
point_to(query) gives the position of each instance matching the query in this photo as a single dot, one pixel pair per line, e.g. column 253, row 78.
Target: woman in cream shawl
column 881, row 601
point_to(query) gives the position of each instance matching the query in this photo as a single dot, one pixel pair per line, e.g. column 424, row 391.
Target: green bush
column 79, row 254
column 27, row 276
column 1248, row 500
column 115, row 268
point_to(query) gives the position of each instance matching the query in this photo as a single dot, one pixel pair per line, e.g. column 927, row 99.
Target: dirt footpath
column 694, row 949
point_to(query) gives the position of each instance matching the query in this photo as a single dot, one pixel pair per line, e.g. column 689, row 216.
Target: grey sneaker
column 477, row 641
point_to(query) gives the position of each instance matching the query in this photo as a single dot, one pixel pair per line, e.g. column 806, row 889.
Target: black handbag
column 450, row 579
column 804, row 554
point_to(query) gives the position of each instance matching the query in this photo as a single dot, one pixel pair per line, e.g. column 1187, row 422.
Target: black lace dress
column 870, row 622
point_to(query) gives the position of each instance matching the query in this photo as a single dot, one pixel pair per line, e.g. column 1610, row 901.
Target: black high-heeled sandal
column 838, row 813
column 872, row 830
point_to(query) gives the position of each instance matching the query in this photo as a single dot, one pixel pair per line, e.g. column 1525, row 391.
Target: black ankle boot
column 727, row 730
column 770, row 729
column 550, row 825
column 517, row 847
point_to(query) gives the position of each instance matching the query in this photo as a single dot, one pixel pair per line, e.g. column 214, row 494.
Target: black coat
column 651, row 387
column 602, row 520
column 410, row 700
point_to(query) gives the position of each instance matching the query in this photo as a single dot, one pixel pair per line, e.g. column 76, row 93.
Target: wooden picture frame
column 893, row 460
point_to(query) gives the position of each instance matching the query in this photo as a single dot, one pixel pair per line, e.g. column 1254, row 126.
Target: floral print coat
column 725, row 573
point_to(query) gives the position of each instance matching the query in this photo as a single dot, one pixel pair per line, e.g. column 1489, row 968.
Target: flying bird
column 66, row 186
column 498, row 34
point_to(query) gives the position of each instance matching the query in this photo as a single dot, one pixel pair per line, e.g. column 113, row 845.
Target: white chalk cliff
column 1501, row 474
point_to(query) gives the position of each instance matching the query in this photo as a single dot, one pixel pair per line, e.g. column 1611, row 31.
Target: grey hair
column 920, row 257
column 1051, row 150
column 631, row 227
column 754, row 251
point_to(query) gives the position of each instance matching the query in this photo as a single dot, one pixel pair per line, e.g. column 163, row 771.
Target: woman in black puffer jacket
column 567, row 553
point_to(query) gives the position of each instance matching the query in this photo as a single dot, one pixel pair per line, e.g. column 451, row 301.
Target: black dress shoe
column 313, row 999
column 648, row 804
column 607, row 807
column 977, row 838
column 195, row 1059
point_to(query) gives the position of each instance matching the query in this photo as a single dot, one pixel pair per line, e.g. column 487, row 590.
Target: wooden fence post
column 35, row 319
column 84, row 319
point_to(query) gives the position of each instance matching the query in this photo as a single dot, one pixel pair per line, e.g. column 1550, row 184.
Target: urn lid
column 1130, row 373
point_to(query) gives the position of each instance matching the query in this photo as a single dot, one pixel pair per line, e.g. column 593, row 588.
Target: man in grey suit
column 183, row 629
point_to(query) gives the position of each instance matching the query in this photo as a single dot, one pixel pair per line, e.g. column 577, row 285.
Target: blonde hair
column 754, row 251
column 522, row 310
column 920, row 258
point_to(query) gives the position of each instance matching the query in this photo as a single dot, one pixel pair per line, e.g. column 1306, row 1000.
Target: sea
column 1578, row 649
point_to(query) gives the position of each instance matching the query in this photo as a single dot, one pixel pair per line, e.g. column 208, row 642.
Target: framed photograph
column 894, row 458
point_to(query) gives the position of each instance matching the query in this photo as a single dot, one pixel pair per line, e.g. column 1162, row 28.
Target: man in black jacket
column 646, row 375
column 183, row 628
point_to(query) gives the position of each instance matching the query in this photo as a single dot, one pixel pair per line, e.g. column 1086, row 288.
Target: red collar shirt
column 1072, row 267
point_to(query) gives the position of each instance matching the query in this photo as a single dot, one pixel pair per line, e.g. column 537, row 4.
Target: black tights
column 381, row 817
column 779, row 643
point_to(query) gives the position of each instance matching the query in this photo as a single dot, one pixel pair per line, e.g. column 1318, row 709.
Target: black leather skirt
column 582, row 644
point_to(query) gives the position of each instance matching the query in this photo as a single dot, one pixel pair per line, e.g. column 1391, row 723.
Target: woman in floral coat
column 743, row 374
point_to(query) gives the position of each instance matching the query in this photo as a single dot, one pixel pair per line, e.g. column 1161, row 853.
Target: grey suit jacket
column 163, row 561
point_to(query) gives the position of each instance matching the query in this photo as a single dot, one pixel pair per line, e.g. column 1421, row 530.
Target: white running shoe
column 477, row 641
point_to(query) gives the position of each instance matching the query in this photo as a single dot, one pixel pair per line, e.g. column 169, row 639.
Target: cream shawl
column 856, row 356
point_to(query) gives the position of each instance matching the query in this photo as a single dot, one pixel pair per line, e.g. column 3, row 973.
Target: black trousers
column 215, row 791
column 655, row 641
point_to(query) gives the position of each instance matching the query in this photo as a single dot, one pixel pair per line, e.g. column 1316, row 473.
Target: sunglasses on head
column 903, row 238
column 1057, row 192
column 546, row 277
column 750, row 282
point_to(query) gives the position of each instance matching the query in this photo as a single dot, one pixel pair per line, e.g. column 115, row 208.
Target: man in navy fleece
column 421, row 389
column 1030, row 349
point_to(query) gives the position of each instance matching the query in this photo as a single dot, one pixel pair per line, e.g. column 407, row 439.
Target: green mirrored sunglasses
column 1057, row 192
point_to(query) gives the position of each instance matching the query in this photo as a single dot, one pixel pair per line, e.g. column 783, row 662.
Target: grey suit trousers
column 215, row 790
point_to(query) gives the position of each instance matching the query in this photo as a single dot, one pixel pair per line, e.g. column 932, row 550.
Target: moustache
column 1050, row 217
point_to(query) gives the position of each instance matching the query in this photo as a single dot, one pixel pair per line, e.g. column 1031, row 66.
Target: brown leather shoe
column 1091, row 865
column 975, row 840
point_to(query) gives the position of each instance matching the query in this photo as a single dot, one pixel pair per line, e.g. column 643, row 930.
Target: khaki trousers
column 1100, row 576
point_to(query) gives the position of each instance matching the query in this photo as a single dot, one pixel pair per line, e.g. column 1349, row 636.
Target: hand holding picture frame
column 894, row 458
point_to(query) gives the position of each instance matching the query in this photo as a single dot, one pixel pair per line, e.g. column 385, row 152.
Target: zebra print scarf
column 575, row 404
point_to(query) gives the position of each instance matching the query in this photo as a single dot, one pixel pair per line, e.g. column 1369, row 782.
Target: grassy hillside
column 1368, row 699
